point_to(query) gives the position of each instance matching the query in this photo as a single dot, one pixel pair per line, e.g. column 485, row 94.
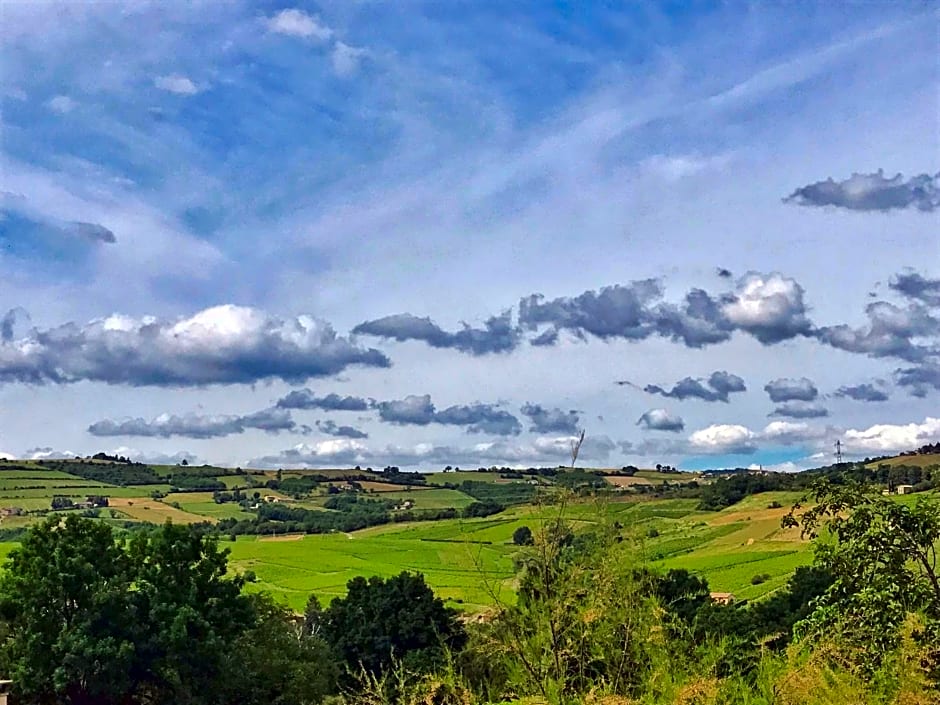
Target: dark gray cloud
column 419, row 410
column 718, row 387
column 785, row 389
column 619, row 311
column 800, row 410
column 330, row 428
column 872, row 192
column 8, row 323
column 480, row 418
column 551, row 420
column 221, row 345
column 862, row 392
column 723, row 273
column 497, row 335
column 196, row 425
column 93, row 232
column 769, row 307
column 306, row 399
column 699, row 321
column 915, row 286
column 890, row 332
column 413, row 410
column 919, row 379
column 660, row 420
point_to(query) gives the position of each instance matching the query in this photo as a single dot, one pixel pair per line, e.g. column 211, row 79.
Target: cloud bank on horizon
column 321, row 235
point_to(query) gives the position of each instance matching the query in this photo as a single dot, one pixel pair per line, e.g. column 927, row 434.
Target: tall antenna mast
column 839, row 452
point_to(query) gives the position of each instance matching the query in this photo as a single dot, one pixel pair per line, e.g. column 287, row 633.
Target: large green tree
column 64, row 594
column 383, row 622
column 92, row 620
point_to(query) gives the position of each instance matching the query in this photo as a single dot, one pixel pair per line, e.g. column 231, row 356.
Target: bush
column 760, row 578
column 522, row 536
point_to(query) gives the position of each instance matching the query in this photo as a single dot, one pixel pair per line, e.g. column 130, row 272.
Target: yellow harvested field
column 144, row 509
column 624, row 481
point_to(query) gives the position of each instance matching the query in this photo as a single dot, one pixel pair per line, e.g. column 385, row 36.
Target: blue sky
column 492, row 224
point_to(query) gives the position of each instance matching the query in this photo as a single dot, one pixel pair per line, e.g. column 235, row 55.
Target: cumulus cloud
column 872, row 192
column 337, row 452
column 785, row 389
column 306, row 399
column 660, row 420
column 891, row 332
column 156, row 458
column 920, row 379
column 176, row 83
column 297, row 23
column 497, row 335
column 724, row 438
column 480, row 418
column 800, row 410
column 47, row 453
column 419, row 410
column 619, row 311
column 413, row 410
column 791, row 432
column 768, row 306
column 551, row 420
column 892, row 438
column 862, row 392
column 330, row 428
column 717, row 387
column 221, row 345
column 918, row 287
column 196, row 425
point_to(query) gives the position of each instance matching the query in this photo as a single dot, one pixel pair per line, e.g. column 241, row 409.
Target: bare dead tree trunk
column 576, row 448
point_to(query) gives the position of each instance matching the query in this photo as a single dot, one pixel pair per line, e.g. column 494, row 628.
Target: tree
column 383, row 622
column 884, row 567
column 64, row 595
column 191, row 612
column 94, row 621
column 522, row 536
column 277, row 662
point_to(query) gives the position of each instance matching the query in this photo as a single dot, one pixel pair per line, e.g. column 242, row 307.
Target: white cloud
column 223, row 344
column 346, row 59
column 297, row 23
column 769, row 306
column 62, row 104
column 888, row 438
column 176, row 83
column 724, row 438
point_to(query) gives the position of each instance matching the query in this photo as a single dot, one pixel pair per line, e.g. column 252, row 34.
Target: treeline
column 344, row 512
column 732, row 488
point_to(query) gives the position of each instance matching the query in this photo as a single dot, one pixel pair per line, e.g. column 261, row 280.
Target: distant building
column 4, row 691
column 12, row 511
column 722, row 598
column 905, row 489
